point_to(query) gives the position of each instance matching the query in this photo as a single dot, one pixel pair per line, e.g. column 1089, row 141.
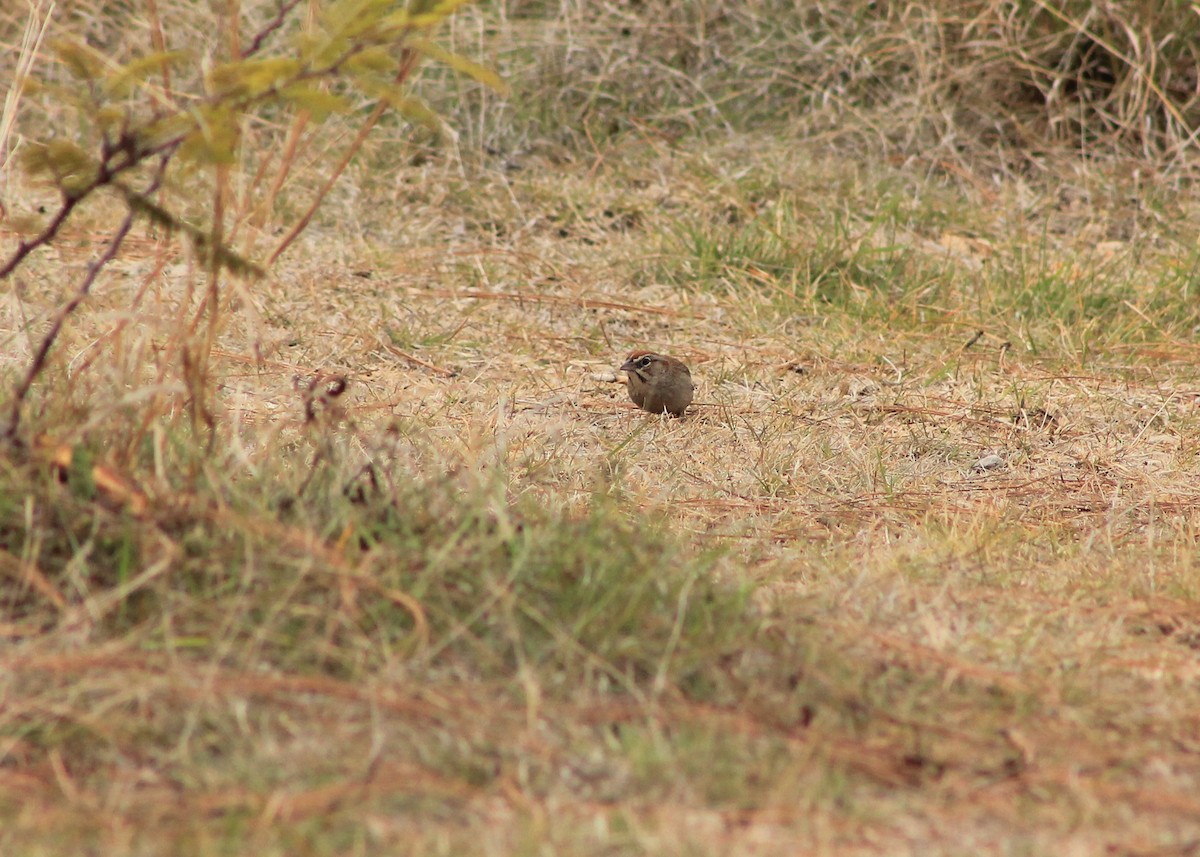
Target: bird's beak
column 627, row 366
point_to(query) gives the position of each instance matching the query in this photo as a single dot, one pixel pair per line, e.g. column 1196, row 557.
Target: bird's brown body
column 658, row 384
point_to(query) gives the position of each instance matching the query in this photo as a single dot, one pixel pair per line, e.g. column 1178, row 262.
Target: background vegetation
column 371, row 553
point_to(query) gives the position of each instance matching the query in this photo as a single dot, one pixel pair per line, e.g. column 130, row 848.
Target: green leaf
column 153, row 212
column 200, row 240
column 79, row 474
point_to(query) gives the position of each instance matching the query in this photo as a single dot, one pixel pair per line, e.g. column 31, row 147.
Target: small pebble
column 988, row 462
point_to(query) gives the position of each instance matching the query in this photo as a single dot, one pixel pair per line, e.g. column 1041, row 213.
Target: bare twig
column 282, row 10
column 24, row 248
column 110, row 167
column 39, row 359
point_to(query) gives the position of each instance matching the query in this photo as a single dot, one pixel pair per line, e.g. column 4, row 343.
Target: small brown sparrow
column 657, row 383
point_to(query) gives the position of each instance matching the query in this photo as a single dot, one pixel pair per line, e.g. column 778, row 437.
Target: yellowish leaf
column 461, row 64
column 425, row 12
column 417, row 111
column 447, row 7
column 110, row 118
column 398, row 20
column 64, row 162
column 352, row 18
column 249, row 78
column 138, row 70
column 320, row 103
column 410, row 107
column 166, row 129
column 215, row 139
column 83, row 61
column 371, row 60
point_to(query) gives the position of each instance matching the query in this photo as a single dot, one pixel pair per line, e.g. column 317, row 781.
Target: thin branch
column 105, row 174
column 39, row 359
column 135, row 153
column 24, row 248
column 281, row 12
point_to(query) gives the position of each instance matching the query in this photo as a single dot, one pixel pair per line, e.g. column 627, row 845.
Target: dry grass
column 480, row 604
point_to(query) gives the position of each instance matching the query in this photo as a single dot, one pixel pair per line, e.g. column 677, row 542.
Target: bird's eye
column 645, row 361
